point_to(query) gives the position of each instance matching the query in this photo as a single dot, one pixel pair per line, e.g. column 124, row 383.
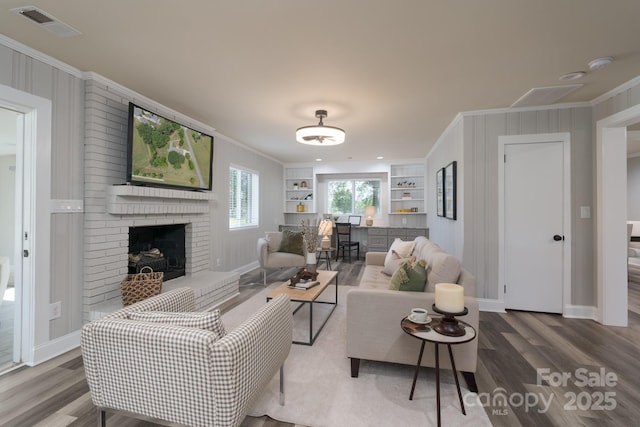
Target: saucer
column 420, row 323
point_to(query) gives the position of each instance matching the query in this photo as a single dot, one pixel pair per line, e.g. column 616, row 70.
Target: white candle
column 449, row 297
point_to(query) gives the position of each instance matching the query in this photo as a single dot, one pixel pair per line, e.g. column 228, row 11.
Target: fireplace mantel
column 138, row 200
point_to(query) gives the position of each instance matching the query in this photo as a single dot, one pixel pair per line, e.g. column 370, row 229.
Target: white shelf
column 406, row 173
column 298, row 175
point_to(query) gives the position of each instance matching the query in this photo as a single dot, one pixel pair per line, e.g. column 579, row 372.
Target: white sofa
column 181, row 374
column 374, row 313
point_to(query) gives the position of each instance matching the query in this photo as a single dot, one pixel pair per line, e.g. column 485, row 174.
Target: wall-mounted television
column 165, row 153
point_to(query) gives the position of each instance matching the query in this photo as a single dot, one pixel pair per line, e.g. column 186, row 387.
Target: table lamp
column 325, row 229
column 369, row 211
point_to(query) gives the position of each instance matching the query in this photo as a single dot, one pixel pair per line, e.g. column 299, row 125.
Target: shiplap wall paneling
column 66, row 92
column 481, row 240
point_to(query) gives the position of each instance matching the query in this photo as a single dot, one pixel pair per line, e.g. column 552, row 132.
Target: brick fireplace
column 112, row 208
column 107, row 235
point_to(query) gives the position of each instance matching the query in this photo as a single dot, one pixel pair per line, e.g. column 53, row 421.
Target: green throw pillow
column 292, row 242
column 410, row 277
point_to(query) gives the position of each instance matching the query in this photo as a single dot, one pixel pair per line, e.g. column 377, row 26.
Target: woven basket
column 139, row 286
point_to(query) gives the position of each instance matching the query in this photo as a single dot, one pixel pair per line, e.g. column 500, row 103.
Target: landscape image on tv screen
column 166, row 153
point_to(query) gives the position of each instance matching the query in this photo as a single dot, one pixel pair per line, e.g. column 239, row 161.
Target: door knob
column 558, row 237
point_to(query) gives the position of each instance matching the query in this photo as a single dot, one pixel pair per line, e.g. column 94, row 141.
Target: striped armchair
column 181, row 374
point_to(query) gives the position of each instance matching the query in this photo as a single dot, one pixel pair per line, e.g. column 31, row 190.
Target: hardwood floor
column 511, row 347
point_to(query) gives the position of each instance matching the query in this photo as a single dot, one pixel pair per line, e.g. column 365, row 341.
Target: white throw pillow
column 206, row 320
column 399, row 250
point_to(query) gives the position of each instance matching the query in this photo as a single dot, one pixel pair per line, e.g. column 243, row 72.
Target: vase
column 311, row 262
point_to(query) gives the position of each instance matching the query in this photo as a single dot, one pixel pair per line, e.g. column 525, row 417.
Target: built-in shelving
column 406, row 189
column 298, row 191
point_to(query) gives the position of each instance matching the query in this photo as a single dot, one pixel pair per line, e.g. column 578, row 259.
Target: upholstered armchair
column 271, row 258
column 180, row 374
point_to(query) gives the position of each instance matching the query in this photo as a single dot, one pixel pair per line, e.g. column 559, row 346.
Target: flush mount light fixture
column 572, row 76
column 320, row 134
column 600, row 63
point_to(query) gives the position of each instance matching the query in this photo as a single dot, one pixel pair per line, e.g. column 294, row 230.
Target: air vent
column 36, row 16
column 544, row 95
column 46, row 21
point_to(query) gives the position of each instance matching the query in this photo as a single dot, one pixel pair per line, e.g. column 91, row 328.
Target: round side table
column 425, row 333
column 326, row 253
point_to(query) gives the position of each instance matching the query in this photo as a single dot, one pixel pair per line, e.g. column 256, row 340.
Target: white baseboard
column 494, row 305
column 247, row 268
column 580, row 312
column 55, row 347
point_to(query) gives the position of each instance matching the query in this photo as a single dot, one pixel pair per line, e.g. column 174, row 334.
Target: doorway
column 32, row 223
column 535, row 222
column 10, row 137
column 611, row 191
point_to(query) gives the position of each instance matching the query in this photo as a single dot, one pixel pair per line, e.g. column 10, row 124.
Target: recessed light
column 318, row 160
column 600, row 63
column 380, row 157
column 575, row 75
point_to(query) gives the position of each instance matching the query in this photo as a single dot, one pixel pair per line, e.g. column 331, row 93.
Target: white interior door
column 534, row 235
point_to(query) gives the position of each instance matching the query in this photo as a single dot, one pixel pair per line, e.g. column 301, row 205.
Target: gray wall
column 66, row 92
column 446, row 232
column 478, row 191
column 237, row 248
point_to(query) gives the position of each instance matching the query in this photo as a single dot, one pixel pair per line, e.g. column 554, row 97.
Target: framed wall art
column 450, row 190
column 440, row 192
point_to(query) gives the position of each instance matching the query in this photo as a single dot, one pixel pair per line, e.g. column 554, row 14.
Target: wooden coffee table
column 309, row 296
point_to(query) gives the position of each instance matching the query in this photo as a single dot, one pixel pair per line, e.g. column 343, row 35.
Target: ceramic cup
column 419, row 314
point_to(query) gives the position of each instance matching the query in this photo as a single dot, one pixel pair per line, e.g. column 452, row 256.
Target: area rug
column 320, row 391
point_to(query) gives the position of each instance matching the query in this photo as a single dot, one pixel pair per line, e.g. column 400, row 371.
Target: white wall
column 633, row 188
column 7, row 205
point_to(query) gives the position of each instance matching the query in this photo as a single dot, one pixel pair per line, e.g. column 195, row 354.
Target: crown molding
column 26, row 50
column 616, row 91
column 525, row 109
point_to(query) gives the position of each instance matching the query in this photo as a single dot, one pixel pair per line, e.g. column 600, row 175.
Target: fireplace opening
column 160, row 247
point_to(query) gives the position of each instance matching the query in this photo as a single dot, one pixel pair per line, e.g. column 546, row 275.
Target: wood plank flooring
column 511, row 347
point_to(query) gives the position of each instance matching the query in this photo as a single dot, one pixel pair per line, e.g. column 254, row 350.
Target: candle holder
column 448, row 325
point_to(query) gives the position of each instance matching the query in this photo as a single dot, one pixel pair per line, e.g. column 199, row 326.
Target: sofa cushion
column 398, row 251
column 373, row 278
column 410, row 276
column 209, row 321
column 273, row 240
column 442, row 268
column 292, row 242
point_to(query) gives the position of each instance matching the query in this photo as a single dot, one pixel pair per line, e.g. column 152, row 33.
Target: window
column 351, row 196
column 243, row 198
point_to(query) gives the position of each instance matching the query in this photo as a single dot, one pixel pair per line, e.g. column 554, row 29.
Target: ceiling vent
column 539, row 96
column 46, row 21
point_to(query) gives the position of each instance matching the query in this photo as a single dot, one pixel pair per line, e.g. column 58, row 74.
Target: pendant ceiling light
column 320, row 134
